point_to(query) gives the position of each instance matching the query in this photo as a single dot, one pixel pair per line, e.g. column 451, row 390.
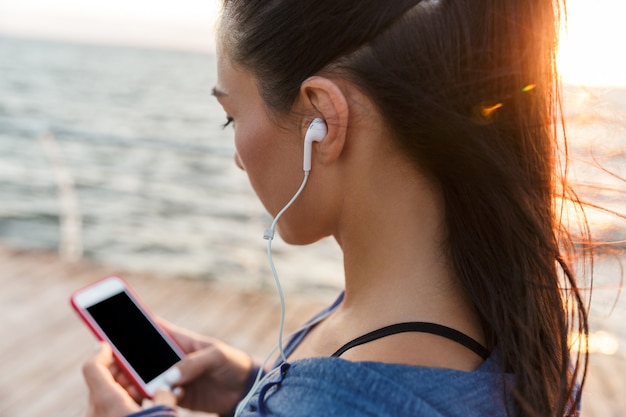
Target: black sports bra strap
column 421, row 327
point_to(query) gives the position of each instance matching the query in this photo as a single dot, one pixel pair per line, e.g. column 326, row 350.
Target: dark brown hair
column 469, row 90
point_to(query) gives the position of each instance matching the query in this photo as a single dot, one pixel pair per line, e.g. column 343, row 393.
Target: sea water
column 151, row 168
column 126, row 146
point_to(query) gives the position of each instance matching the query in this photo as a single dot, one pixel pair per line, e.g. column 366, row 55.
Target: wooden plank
column 44, row 344
column 42, row 358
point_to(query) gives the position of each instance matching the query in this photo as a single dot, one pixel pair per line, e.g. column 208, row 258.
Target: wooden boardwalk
column 43, row 344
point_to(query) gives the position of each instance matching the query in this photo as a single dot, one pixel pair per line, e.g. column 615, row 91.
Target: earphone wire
column 269, row 236
column 260, row 379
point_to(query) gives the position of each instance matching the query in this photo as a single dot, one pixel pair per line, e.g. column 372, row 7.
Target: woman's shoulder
column 336, row 387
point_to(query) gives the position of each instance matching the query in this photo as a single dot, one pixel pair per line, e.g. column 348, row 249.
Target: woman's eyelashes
column 229, row 120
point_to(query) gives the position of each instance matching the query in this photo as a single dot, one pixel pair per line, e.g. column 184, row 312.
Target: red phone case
column 100, row 336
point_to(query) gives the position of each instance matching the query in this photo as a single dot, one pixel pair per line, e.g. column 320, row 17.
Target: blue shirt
column 334, row 387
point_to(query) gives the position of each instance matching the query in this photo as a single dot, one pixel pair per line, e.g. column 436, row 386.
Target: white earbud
column 315, row 133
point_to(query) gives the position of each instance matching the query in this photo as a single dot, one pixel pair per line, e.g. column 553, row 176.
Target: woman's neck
column 392, row 233
column 388, row 218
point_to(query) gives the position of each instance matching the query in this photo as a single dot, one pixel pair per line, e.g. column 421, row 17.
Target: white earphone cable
column 269, row 236
column 260, row 379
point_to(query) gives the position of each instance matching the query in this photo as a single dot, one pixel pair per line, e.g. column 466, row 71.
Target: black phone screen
column 134, row 336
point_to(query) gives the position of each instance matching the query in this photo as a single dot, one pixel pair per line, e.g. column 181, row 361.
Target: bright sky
column 591, row 53
column 178, row 24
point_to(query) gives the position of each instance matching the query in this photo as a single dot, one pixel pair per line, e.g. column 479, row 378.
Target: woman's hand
column 107, row 398
column 213, row 376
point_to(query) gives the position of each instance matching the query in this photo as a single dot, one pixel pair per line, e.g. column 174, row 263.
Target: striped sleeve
column 158, row 411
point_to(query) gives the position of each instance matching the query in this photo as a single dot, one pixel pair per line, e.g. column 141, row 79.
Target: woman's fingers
column 121, row 378
column 164, row 396
column 186, row 339
column 107, row 398
column 201, row 362
column 96, row 370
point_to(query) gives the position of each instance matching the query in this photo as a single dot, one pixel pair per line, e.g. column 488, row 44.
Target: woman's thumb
column 190, row 367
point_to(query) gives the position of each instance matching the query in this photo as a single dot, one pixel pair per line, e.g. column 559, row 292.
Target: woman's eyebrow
column 216, row 92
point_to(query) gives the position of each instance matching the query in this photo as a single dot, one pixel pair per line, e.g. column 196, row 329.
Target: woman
column 437, row 175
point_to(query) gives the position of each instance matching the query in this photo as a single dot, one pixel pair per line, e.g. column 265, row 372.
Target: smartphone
column 115, row 315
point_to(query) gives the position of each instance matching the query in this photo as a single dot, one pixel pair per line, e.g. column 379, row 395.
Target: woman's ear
column 324, row 98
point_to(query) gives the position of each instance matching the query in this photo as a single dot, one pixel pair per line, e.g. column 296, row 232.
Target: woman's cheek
column 238, row 161
column 241, row 150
